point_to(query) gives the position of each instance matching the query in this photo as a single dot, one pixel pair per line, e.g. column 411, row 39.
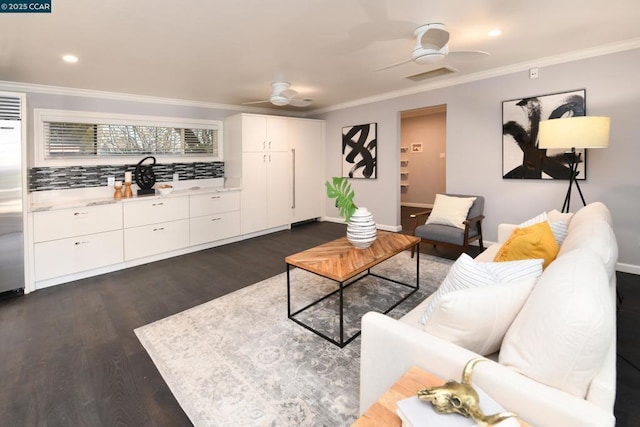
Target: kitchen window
column 64, row 137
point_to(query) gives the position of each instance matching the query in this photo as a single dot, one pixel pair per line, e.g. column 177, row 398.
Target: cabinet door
column 155, row 210
column 278, row 133
column 308, row 143
column 155, row 239
column 205, row 229
column 57, row 258
column 208, row 204
column 64, row 223
column 254, row 133
column 279, row 188
column 253, row 199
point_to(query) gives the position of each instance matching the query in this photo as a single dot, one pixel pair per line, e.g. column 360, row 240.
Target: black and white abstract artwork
column 359, row 151
column 521, row 157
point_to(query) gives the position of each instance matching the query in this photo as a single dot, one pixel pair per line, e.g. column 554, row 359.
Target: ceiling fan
column 282, row 96
column 432, row 46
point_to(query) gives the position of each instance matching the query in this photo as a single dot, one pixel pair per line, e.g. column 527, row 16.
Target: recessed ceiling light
column 494, row 33
column 70, row 58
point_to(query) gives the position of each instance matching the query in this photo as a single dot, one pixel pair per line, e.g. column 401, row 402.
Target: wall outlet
column 111, row 181
column 534, row 73
column 176, row 177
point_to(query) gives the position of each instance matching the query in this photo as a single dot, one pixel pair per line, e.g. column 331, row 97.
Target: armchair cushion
column 450, row 210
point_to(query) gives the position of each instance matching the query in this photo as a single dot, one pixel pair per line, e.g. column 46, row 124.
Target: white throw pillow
column 564, row 330
column 558, row 222
column 450, row 210
column 468, row 273
column 478, row 318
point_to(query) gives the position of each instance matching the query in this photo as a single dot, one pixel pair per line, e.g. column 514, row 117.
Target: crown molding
column 448, row 82
column 496, row 72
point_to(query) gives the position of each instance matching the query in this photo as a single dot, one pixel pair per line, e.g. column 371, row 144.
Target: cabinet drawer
column 67, row 256
column 210, row 228
column 63, row 223
column 155, row 211
column 208, row 204
column 155, row 239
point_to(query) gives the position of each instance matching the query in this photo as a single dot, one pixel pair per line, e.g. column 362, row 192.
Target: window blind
column 63, row 139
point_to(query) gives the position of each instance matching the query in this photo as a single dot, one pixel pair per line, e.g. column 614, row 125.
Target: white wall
column 474, row 147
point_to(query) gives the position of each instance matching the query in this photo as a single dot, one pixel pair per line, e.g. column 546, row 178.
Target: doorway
column 423, row 140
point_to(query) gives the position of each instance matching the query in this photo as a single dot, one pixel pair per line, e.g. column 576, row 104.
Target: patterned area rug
column 239, row 361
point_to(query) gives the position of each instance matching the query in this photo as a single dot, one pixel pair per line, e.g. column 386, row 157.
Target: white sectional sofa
column 556, row 364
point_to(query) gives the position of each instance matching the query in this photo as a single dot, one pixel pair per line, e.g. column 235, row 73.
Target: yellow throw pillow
column 535, row 241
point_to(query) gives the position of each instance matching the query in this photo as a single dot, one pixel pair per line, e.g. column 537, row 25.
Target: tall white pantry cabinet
column 278, row 162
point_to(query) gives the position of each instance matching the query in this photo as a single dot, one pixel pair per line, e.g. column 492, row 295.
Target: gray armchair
column 454, row 237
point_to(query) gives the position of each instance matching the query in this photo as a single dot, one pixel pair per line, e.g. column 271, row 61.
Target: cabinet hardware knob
column 215, row 197
column 157, row 204
column 80, row 243
column 216, row 219
column 80, row 213
column 158, row 229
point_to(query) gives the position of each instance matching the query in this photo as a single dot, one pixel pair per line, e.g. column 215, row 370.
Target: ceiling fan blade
column 256, row 102
column 295, row 102
column 397, row 64
column 468, row 54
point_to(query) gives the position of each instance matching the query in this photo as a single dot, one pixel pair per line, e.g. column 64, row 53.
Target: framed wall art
column 521, row 157
column 359, row 151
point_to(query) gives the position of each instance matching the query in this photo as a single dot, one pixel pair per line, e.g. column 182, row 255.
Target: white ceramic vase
column 361, row 229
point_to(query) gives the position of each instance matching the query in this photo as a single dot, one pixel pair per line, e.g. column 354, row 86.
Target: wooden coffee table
column 342, row 262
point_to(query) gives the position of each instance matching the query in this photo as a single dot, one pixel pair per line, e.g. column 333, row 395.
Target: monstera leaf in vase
column 339, row 188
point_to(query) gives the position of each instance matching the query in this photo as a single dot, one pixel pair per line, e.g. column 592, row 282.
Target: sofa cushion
column 534, row 241
column 563, row 332
column 468, row 273
column 450, row 210
column 477, row 318
column 591, row 228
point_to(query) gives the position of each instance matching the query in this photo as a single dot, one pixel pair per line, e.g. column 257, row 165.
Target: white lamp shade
column 574, row 132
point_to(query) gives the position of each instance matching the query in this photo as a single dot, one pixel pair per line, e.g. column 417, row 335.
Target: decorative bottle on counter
column 118, row 190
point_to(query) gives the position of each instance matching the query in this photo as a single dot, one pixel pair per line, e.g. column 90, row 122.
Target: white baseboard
column 628, row 268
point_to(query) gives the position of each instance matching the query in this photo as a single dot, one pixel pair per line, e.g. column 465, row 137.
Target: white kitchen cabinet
column 58, row 224
column 265, row 133
column 68, row 241
column 308, row 156
column 155, row 226
column 266, row 197
column 209, row 228
column 155, row 210
column 214, row 217
column 207, row 204
column 153, row 239
column 55, row 258
column 259, row 157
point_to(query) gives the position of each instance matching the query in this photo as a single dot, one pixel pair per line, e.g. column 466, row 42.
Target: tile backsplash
column 61, row 178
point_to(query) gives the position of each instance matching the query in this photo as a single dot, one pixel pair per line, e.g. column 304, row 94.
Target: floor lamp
column 572, row 133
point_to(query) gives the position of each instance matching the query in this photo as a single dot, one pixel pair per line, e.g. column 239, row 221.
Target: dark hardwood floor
column 69, row 356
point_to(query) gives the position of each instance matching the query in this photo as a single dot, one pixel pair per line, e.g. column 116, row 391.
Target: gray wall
column 474, row 147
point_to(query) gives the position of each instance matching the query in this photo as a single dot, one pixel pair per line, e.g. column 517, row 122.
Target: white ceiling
column 230, row 51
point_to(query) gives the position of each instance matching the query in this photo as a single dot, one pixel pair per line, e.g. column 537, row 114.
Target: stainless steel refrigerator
column 11, row 207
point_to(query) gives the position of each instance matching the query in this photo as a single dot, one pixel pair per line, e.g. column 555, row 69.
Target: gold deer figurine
column 461, row 398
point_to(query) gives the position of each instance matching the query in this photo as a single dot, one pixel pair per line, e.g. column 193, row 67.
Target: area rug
column 239, row 361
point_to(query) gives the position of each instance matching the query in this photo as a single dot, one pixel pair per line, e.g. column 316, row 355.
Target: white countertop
column 85, row 199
